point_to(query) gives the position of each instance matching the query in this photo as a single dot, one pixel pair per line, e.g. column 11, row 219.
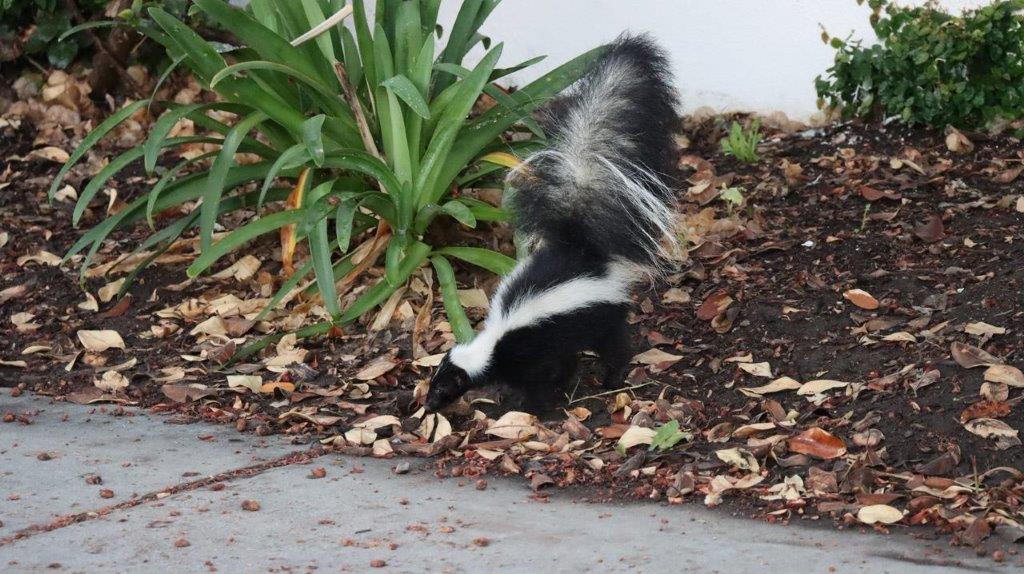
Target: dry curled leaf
column 818, row 386
column 818, row 443
column 983, row 329
column 514, row 425
column 99, row 341
column 879, row 513
column 763, row 369
column 714, row 304
column 778, row 385
column 861, row 298
column 969, row 356
column 932, row 230
column 1005, row 374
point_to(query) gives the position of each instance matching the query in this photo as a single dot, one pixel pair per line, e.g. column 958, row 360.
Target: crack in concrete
column 226, row 476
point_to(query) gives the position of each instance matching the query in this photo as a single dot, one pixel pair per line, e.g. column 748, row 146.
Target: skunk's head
column 448, row 384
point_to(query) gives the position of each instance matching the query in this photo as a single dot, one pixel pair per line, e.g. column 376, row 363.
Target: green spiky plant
column 370, row 130
column 742, row 143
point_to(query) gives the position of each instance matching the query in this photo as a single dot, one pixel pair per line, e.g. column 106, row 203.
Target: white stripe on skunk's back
column 534, row 308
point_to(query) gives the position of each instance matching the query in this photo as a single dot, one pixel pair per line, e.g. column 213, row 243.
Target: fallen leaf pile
column 845, row 344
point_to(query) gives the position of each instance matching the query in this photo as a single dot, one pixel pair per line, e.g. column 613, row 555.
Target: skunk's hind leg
column 616, row 351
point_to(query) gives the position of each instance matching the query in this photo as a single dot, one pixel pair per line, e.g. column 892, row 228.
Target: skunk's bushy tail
column 601, row 183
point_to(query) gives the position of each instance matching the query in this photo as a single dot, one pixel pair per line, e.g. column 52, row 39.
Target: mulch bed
column 870, row 278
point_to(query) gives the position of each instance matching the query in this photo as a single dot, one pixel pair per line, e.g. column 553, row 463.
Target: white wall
column 752, row 55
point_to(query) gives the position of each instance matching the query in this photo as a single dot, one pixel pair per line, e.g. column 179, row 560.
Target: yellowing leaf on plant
column 502, row 158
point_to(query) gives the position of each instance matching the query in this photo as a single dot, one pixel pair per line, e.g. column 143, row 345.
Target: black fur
column 541, row 359
column 612, row 143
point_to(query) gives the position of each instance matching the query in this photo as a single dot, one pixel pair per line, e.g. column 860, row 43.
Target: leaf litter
column 867, row 276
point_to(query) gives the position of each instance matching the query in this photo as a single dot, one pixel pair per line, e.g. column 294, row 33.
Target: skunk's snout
column 441, row 393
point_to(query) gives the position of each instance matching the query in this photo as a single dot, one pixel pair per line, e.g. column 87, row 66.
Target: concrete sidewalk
column 360, row 515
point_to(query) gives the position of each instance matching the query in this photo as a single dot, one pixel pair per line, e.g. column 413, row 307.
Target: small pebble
column 377, row 563
column 481, row 484
column 999, row 556
column 250, row 505
column 181, row 543
column 106, row 493
column 9, row 417
column 318, row 472
column 482, row 541
column 44, row 456
column 402, row 468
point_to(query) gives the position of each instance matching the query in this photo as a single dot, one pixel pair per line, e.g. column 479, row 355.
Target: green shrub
column 370, row 129
column 741, row 143
column 47, row 20
column 931, row 67
column 54, row 29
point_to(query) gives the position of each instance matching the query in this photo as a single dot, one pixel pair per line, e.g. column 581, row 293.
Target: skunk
column 595, row 210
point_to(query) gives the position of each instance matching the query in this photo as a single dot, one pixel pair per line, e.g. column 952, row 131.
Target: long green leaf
column 292, row 157
column 320, row 252
column 91, row 139
column 165, row 180
column 232, row 70
column 116, row 165
column 366, row 43
column 375, row 295
column 457, row 318
column 218, row 175
column 402, row 87
column 241, row 236
column 460, row 212
column 312, row 138
column 484, row 129
column 343, row 220
column 485, row 258
column 271, row 46
column 428, row 184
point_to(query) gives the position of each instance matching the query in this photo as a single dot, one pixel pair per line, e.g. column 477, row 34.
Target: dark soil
column 785, row 257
